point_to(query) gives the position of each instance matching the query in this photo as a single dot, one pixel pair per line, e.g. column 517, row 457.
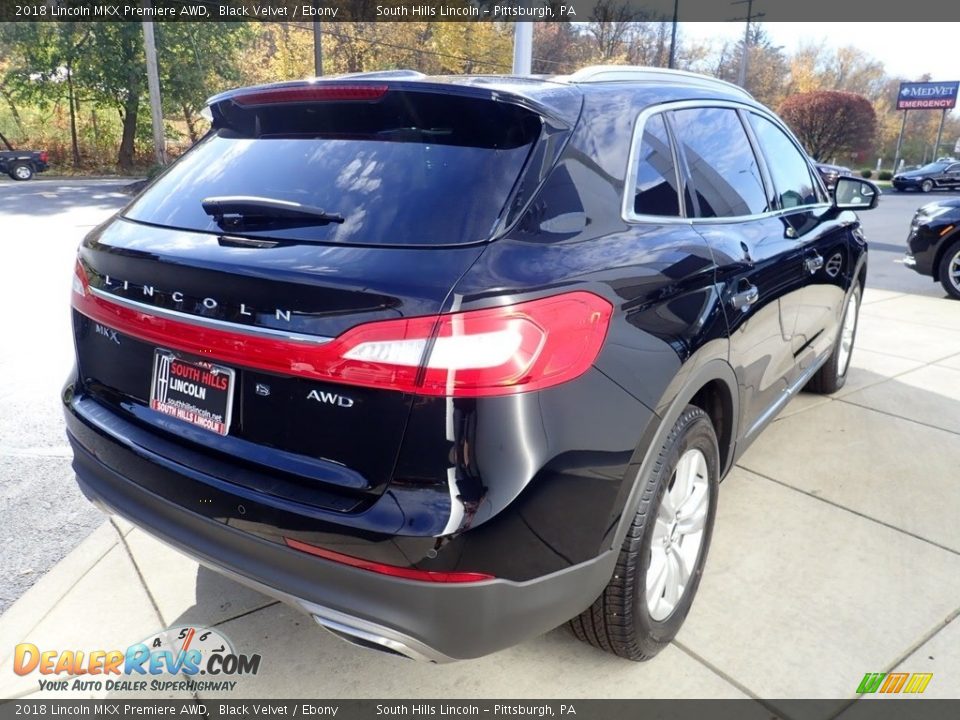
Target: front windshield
column 933, row 167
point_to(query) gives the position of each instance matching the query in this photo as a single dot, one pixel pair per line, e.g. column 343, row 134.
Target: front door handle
column 747, row 296
column 813, row 263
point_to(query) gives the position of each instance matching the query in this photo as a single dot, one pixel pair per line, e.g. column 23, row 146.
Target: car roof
column 558, row 96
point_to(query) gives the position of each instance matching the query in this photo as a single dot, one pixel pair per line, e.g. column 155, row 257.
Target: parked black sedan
column 830, row 174
column 933, row 247
column 937, row 175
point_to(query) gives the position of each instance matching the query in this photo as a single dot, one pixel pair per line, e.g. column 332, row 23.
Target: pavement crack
column 244, row 614
column 143, row 582
column 837, row 505
column 894, row 415
column 723, row 675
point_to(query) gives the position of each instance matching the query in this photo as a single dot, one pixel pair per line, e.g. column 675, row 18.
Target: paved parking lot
column 836, row 550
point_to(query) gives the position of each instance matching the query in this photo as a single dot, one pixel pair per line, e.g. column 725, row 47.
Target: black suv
column 935, row 176
column 449, row 361
column 933, row 245
column 21, row 164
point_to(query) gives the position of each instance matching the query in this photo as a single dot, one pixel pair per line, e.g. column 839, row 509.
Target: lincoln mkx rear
column 448, row 362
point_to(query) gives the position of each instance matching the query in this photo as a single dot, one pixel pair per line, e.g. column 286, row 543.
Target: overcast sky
column 908, row 49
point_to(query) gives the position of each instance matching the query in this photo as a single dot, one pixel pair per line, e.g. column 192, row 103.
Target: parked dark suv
column 448, row 361
column 933, row 245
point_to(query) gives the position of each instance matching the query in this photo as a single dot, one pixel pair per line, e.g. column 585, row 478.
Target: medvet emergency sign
column 927, row 95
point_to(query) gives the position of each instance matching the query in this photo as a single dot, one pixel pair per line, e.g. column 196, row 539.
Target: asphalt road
column 42, row 514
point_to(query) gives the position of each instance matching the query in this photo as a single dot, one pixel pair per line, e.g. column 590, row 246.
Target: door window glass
column 788, row 167
column 722, row 165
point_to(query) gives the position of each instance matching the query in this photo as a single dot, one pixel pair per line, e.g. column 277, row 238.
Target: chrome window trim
column 213, row 323
column 633, row 160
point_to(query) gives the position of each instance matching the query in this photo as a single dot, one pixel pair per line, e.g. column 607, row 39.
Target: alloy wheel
column 953, row 270
column 678, row 534
column 22, row 172
column 846, row 335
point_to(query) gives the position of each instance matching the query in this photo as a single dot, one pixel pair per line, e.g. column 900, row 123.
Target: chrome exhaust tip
column 372, row 637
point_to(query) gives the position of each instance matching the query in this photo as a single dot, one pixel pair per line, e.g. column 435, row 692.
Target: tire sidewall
column 856, row 296
column 944, row 270
column 699, row 435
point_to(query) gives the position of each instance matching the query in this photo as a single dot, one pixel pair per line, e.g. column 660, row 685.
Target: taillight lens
column 44, row 156
column 79, row 280
column 311, row 93
column 384, row 569
column 495, row 351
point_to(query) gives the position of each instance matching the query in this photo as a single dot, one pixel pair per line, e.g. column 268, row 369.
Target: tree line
column 79, row 89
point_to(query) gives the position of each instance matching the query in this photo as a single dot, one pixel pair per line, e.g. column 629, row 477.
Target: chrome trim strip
column 787, row 395
column 210, row 322
column 626, row 208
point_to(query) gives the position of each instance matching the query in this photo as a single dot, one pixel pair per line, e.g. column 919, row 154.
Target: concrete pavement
column 836, row 553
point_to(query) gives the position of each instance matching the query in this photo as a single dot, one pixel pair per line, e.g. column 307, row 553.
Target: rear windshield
column 408, row 169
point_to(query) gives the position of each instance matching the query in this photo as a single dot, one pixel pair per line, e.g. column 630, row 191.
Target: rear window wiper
column 236, row 211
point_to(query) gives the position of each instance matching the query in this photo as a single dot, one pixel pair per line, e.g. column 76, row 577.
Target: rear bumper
column 428, row 621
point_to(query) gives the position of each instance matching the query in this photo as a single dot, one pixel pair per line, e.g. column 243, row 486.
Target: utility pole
column 673, row 36
column 317, row 49
column 744, row 57
column 896, row 154
column 153, row 85
column 317, row 45
column 522, row 48
column 936, row 148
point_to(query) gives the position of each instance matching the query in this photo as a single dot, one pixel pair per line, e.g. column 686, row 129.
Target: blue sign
column 927, row 95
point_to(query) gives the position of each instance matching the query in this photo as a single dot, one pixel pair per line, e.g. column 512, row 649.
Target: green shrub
column 866, row 173
column 885, row 175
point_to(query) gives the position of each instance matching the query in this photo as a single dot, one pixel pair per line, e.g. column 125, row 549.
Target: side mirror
column 855, row 194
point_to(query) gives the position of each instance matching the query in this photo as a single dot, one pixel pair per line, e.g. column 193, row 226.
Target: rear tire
column 949, row 270
column 634, row 618
column 833, row 375
column 21, row 171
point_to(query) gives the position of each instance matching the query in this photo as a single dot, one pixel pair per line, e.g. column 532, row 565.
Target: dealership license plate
column 194, row 391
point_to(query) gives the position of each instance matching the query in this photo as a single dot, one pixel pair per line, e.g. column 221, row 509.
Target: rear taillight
column 79, row 280
column 383, row 569
column 44, row 156
column 495, row 351
column 311, row 93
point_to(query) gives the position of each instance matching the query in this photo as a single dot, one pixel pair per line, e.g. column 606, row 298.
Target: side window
column 656, row 182
column 788, row 167
column 722, row 166
column 955, row 168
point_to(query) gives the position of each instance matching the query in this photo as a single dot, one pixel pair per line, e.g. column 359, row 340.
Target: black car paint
column 831, row 173
column 942, row 175
column 930, row 237
column 10, row 158
column 545, row 481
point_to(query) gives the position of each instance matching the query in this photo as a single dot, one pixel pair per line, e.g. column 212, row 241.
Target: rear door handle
column 813, row 263
column 747, row 296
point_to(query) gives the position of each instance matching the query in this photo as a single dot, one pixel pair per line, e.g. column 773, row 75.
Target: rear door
column 760, row 266
column 951, row 176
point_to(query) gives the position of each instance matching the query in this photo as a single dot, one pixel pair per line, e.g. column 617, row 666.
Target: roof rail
column 385, row 74
column 614, row 73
